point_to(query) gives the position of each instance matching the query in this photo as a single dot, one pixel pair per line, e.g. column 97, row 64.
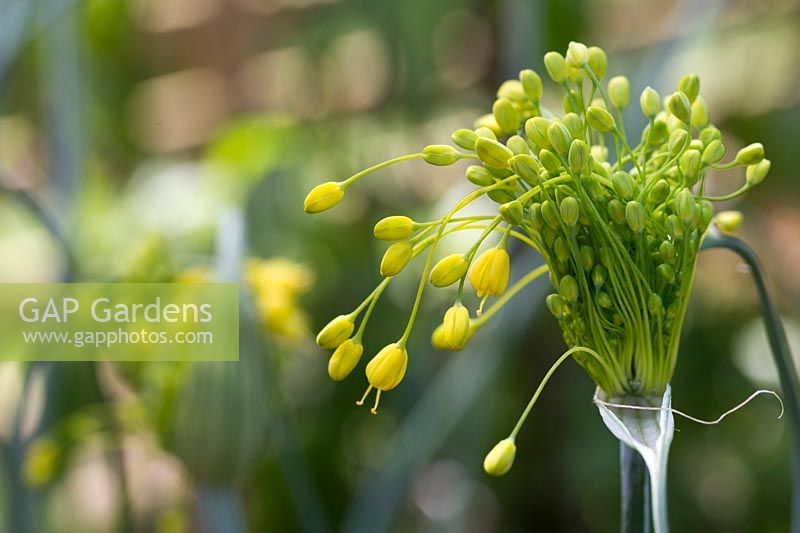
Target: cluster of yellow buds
column 618, row 225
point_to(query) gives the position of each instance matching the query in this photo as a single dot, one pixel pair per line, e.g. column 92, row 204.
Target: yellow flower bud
column 488, row 122
column 456, row 327
column 512, row 212
column 323, row 197
column 493, row 153
column 511, row 89
column 344, row 359
column 531, row 84
column 679, row 105
column 577, row 54
column 600, row 119
column 728, row 221
column 650, row 101
column 448, row 270
column 597, row 61
column 387, row 369
column 550, row 161
column 336, row 332
column 578, row 156
column 677, row 140
column 756, row 173
column 690, row 86
column 690, row 162
column 396, row 258
column 699, row 113
column 536, row 130
column 505, row 115
column 483, row 131
column 714, row 152
column 526, row 167
column 440, row 155
column 438, row 338
column 478, row 175
column 394, row 228
column 499, row 460
column 619, row 91
column 489, row 273
column 465, row 138
column 556, row 66
column 559, row 136
column 518, row 145
column 750, row 154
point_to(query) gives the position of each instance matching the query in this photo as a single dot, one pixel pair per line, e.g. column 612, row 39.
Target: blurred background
column 161, row 140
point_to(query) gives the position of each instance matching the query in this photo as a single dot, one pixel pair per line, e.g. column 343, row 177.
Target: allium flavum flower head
column 617, row 219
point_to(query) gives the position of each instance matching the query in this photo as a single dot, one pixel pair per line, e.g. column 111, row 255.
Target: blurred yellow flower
column 277, row 284
column 40, row 462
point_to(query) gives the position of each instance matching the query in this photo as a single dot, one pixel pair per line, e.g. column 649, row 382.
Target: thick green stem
column 781, row 354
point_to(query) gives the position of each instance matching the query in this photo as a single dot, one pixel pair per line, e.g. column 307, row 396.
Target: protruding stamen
column 483, row 302
column 361, row 401
column 374, row 409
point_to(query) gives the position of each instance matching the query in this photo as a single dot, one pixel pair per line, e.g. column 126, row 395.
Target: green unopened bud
column 578, row 156
column 623, row 185
column 619, row 91
column 559, row 136
column 604, row 300
column 690, row 162
column 505, row 115
column 674, row 226
column 699, row 113
column 706, row 213
column 684, row 205
column 696, row 144
column 680, row 107
column 323, row 197
column 600, row 119
column 550, row 214
column 635, row 216
column 750, row 154
column 511, row 89
column 500, row 196
column 690, row 86
column 535, row 216
column 487, row 121
column 440, row 155
column 478, row 175
column 570, row 212
column 667, row 251
column 561, row 250
column 487, row 133
column 575, row 74
column 465, row 139
column 526, row 167
column 493, row 153
column 577, row 54
column 658, row 133
column 499, row 460
column 449, row 270
column 335, row 332
column 531, row 84
column 616, row 211
column 556, row 305
column 568, row 288
column 518, row 145
column 678, row 140
column 650, row 102
column 659, row 192
column 756, row 173
column 666, row 271
column 536, row 130
column 598, row 275
column 512, row 212
column 556, row 66
column 598, row 61
column 654, row 304
column 713, row 153
column 728, row 221
column 710, row 134
column 344, row 359
column 574, row 124
column 394, row 228
column 396, row 258
column 550, row 161
column 587, row 257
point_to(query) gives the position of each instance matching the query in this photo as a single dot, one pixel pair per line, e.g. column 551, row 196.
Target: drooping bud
column 440, row 155
column 456, row 327
column 478, row 175
column 690, row 86
column 465, row 138
column 677, row 141
column 386, row 370
column 706, row 212
column 493, row 153
column 623, row 184
column 570, row 212
column 550, row 214
column 680, row 107
column 684, row 205
column 728, row 221
column 577, row 54
column 755, row 174
column 659, row 192
column 489, row 273
column 396, row 258
column 323, row 197
column 536, row 130
column 550, row 161
column 448, row 270
column 619, row 91
column 750, row 154
column 710, row 134
column 635, row 216
column 690, row 162
column 335, row 332
column 699, row 113
column 531, row 84
column 568, row 288
column 559, row 136
column 505, row 115
column 437, row 338
column 344, row 359
column 600, row 119
column 394, row 228
column 713, row 153
column 598, row 61
column 650, row 102
column 578, row 156
column 499, row 460
column 512, row 212
column 526, row 167
column 556, row 66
